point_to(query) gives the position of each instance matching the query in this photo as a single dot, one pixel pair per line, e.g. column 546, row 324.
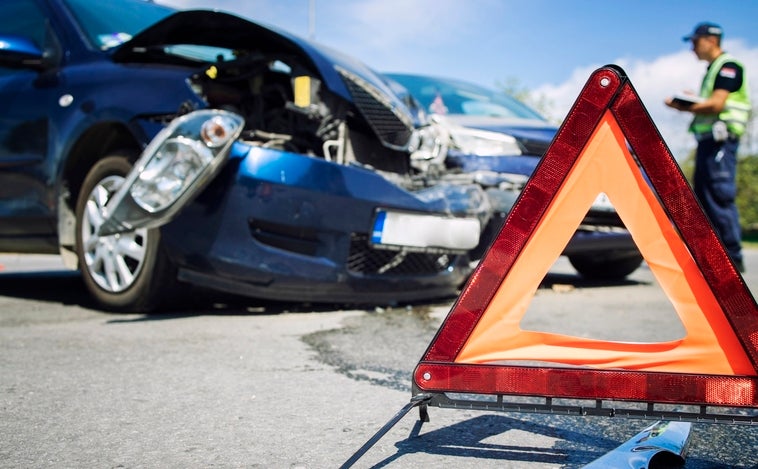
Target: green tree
column 747, row 193
column 747, row 189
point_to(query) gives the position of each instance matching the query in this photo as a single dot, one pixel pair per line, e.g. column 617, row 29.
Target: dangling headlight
column 175, row 166
column 181, row 154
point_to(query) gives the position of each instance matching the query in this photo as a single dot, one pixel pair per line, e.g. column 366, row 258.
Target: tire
column 611, row 267
column 126, row 272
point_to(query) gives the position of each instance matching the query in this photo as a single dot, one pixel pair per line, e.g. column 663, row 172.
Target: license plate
column 423, row 231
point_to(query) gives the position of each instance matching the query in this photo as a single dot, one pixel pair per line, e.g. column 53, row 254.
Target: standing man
column 721, row 116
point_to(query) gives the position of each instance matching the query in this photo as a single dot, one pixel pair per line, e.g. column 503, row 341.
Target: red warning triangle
column 608, row 144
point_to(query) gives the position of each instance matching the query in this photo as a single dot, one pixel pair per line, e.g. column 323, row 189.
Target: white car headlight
column 179, row 162
column 483, row 142
column 180, row 155
column 175, row 165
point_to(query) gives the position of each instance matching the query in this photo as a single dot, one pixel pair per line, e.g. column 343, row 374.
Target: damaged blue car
column 155, row 149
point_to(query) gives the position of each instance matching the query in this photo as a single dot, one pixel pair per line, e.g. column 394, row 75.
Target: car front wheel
column 125, row 271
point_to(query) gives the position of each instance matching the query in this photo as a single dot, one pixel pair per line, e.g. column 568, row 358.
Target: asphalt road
column 232, row 383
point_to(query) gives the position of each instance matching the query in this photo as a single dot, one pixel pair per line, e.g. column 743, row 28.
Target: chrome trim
column 664, row 443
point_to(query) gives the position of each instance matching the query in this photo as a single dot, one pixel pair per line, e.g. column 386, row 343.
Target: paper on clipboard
column 686, row 99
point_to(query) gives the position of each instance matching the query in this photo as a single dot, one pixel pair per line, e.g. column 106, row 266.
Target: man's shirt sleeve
column 729, row 77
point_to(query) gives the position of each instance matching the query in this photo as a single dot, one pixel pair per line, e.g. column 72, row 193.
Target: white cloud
column 654, row 81
column 397, row 35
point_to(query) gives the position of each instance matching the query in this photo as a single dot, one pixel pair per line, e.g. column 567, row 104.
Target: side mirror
column 21, row 52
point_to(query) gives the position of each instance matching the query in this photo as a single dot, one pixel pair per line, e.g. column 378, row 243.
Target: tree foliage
column 747, row 192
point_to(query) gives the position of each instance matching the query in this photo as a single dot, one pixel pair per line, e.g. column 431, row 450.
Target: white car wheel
column 125, row 271
column 114, row 261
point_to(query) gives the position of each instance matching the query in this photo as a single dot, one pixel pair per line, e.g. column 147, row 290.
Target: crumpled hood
column 219, row 29
column 209, row 28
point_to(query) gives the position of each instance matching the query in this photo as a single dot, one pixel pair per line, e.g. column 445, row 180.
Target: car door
column 28, row 97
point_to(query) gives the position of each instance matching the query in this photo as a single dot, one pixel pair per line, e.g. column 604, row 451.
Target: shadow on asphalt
column 52, row 286
column 484, row 437
column 578, row 442
column 66, row 287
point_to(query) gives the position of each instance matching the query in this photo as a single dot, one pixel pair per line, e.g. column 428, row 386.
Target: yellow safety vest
column 736, row 112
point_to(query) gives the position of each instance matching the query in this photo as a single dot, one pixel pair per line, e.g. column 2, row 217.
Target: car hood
column 219, row 29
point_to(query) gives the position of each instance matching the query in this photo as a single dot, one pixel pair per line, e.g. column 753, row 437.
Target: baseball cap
column 704, row 29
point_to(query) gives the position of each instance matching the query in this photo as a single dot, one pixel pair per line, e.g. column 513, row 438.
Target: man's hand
column 678, row 105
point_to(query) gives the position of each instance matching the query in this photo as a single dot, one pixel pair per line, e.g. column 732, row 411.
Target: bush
column 747, row 190
column 747, row 193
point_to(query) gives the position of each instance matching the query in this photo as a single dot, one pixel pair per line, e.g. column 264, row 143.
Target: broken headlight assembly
column 179, row 162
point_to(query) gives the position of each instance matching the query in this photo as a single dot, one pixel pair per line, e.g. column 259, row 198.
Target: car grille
column 389, row 124
column 364, row 259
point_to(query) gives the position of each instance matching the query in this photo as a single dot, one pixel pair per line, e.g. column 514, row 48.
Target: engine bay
column 286, row 107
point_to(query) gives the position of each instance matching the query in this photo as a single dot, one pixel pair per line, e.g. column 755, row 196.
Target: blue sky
column 548, row 46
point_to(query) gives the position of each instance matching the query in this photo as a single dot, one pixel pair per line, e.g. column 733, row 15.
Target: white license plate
column 413, row 230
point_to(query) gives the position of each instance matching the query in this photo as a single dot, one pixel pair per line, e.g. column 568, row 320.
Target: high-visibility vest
column 736, row 112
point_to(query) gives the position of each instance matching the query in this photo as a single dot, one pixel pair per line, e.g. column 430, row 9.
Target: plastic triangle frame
column 608, row 136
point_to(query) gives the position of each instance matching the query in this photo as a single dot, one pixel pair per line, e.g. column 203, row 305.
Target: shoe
column 740, row 266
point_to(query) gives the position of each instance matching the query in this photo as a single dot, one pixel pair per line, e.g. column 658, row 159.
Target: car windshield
column 445, row 96
column 109, row 24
